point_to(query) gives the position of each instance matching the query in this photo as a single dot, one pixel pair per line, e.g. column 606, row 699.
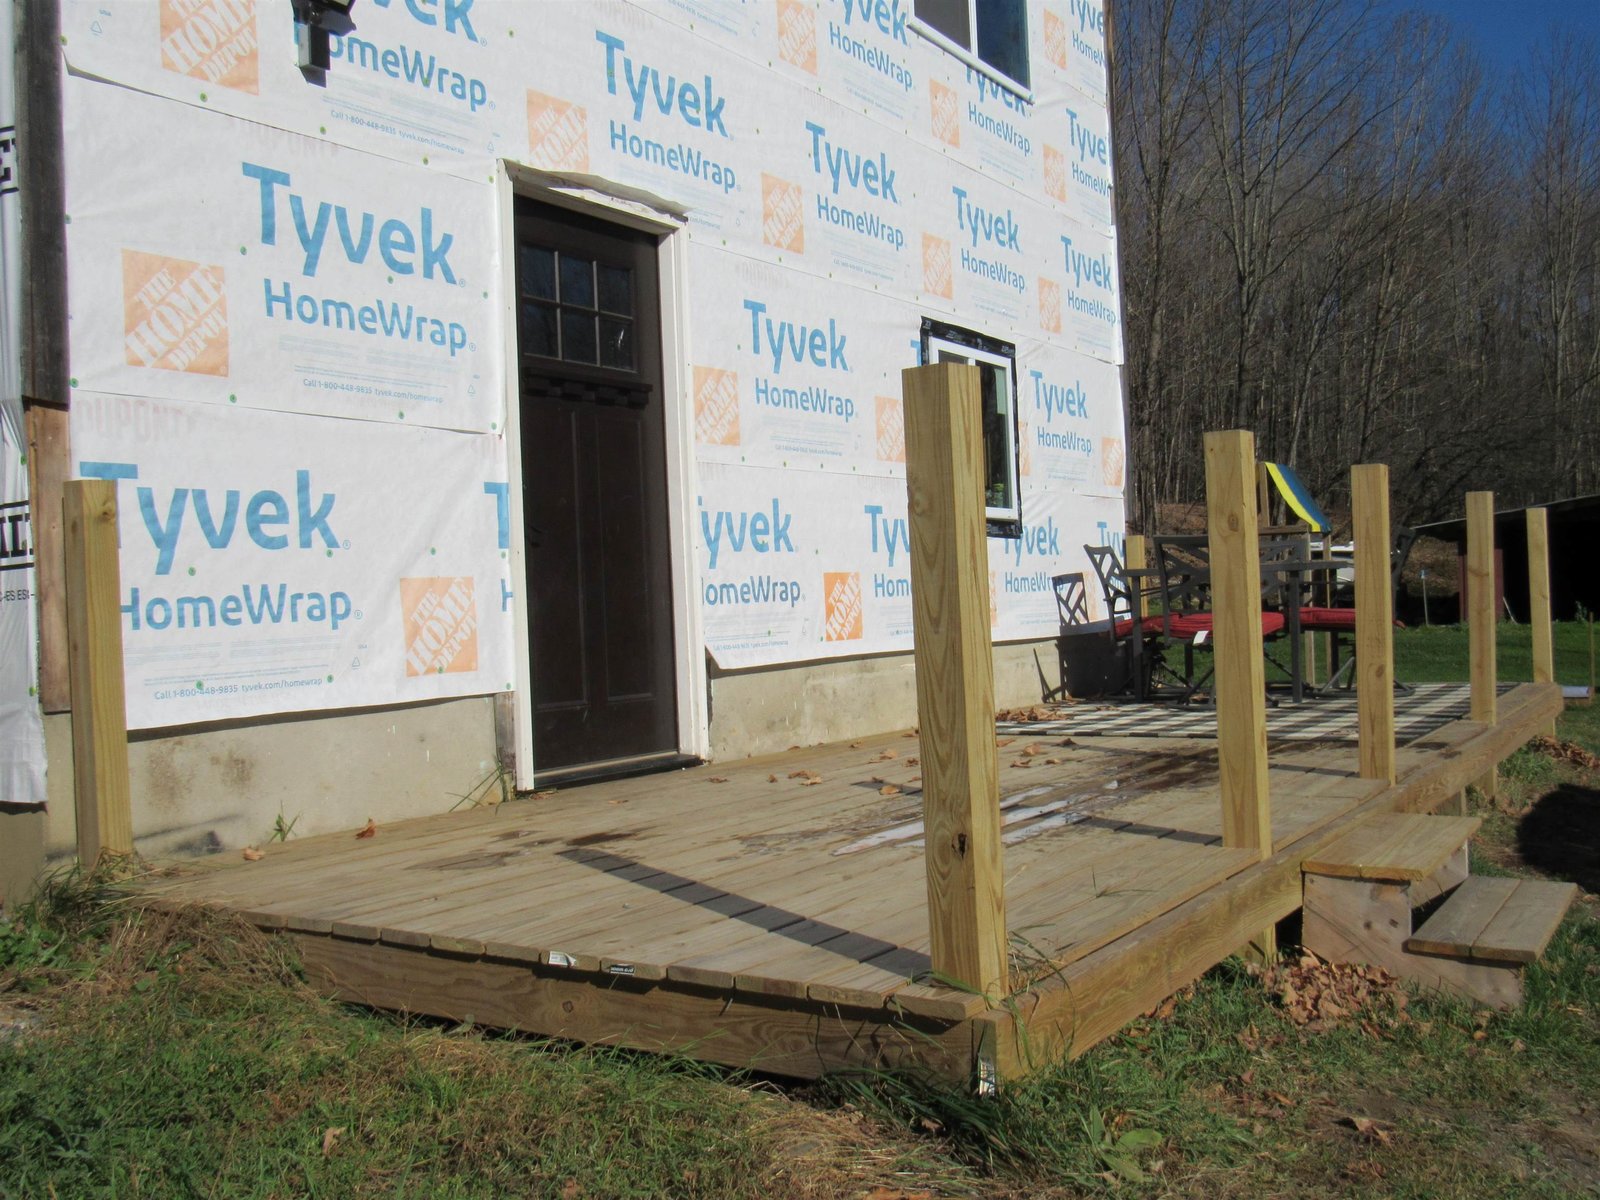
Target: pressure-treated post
column 955, row 675
column 1481, row 618
column 1369, row 504
column 1136, row 557
column 1544, row 654
column 1240, row 673
column 94, row 646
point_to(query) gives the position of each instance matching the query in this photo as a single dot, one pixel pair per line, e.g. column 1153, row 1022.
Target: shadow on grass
column 1560, row 836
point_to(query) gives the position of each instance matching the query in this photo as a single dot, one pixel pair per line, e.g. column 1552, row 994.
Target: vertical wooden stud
column 1263, row 495
column 94, row 639
column 1136, row 557
column 955, row 675
column 1369, row 501
column 1544, row 654
column 1481, row 618
column 1240, row 673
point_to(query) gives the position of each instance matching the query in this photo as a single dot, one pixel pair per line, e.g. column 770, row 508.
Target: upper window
column 996, row 363
column 990, row 34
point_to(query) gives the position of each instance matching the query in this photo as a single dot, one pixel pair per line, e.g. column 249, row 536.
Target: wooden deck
column 772, row 913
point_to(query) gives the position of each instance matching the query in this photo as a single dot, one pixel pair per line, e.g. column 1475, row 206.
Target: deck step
column 1495, row 920
column 1395, row 847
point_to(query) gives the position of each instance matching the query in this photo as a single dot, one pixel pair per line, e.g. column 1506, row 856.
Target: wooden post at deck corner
column 1241, row 685
column 1544, row 655
column 955, row 676
column 94, row 640
column 1481, row 619
column 1369, row 503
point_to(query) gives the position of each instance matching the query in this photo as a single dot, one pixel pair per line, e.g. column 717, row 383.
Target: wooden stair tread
column 1394, row 846
column 1495, row 920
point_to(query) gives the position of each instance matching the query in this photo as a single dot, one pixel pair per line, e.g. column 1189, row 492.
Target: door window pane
column 577, row 281
column 539, row 330
column 538, row 269
column 616, row 290
column 577, row 337
column 616, row 344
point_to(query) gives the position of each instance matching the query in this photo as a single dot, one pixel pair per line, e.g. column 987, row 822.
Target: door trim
column 513, row 180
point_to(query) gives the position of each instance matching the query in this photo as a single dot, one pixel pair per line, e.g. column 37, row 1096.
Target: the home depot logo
column 174, row 313
column 1055, row 174
column 945, row 106
column 1024, row 448
column 558, row 133
column 994, row 600
column 797, row 35
column 1112, row 460
column 782, row 214
column 213, row 40
column 841, row 594
column 1049, row 305
column 716, row 407
column 1055, row 39
column 937, row 277
column 441, row 625
column 891, row 429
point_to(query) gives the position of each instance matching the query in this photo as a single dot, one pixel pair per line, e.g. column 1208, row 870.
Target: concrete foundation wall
column 770, row 709
column 222, row 787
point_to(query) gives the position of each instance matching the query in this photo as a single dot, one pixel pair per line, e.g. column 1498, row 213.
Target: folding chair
column 1127, row 625
column 1184, row 562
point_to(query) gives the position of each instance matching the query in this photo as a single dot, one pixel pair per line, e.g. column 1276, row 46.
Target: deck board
column 740, row 881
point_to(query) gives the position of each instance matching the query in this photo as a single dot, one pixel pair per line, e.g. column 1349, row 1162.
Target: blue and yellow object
column 1297, row 496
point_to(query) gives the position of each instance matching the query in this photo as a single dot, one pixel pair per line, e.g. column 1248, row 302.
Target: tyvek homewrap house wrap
column 552, row 352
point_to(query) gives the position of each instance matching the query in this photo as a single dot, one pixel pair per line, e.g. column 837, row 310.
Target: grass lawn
column 178, row 1055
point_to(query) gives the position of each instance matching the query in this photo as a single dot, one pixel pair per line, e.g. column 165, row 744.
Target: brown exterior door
column 594, row 493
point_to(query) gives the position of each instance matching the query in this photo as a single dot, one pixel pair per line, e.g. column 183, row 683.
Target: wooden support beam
column 94, row 638
column 1369, row 502
column 955, row 675
column 1263, row 495
column 1136, row 557
column 1240, row 672
column 1544, row 655
column 1481, row 617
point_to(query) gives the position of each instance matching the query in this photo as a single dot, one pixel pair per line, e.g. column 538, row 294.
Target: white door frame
column 513, row 180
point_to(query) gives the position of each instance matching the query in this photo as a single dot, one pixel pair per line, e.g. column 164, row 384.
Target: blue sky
column 1503, row 31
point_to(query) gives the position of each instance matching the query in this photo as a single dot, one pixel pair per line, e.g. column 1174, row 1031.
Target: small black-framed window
column 997, row 364
column 988, row 35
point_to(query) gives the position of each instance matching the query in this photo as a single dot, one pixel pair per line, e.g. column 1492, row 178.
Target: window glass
column 991, row 32
column 995, row 362
column 950, row 17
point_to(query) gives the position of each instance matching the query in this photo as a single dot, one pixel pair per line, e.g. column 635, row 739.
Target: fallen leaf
column 889, row 789
column 802, row 773
column 772, row 779
column 1022, row 762
column 570, row 1190
column 912, row 761
column 1032, row 751
column 1052, row 762
column 718, row 779
column 886, row 755
column 330, row 1136
column 812, row 782
column 1370, row 1129
column 370, row 829
column 251, row 854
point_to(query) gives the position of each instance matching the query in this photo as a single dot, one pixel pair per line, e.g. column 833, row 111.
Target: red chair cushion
column 1152, row 627
column 1321, row 620
column 1188, row 625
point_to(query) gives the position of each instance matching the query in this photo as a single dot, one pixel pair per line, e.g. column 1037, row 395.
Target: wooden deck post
column 1481, row 618
column 94, row 641
column 1369, row 503
column 1544, row 655
column 1240, row 673
column 955, row 675
column 1136, row 557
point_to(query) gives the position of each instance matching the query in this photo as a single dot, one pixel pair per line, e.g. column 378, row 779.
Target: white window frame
column 1006, row 364
column 968, row 55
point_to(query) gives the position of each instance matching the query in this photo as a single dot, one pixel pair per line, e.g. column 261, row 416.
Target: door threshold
column 613, row 768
